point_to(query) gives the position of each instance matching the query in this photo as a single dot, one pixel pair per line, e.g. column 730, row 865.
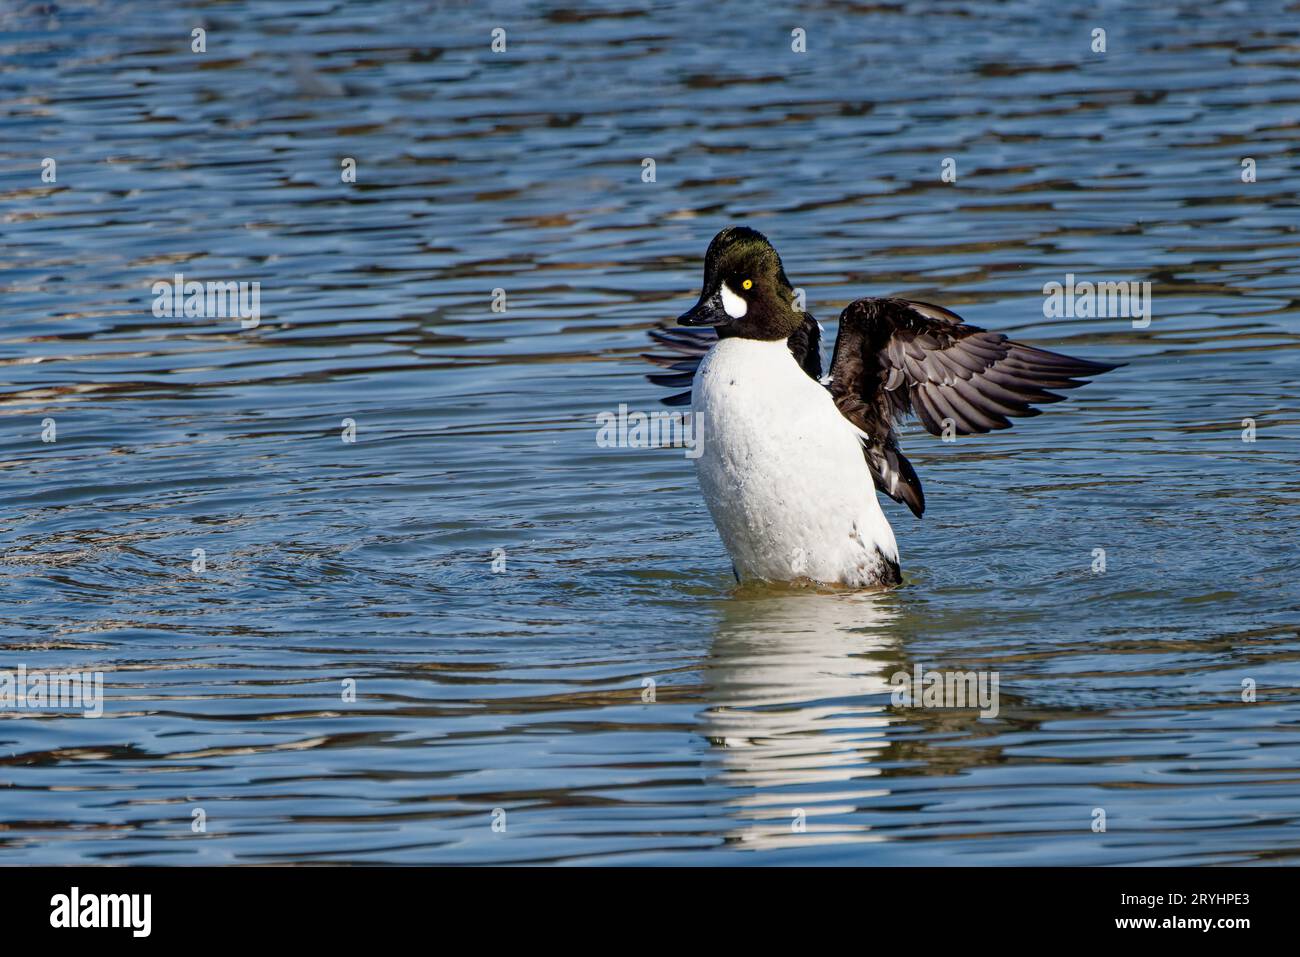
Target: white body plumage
column 783, row 473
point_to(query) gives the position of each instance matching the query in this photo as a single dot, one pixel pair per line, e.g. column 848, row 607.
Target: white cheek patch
column 735, row 306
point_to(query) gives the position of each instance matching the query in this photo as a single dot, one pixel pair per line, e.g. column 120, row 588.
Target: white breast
column 782, row 471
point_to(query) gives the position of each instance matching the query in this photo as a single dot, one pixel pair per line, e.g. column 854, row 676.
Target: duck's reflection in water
column 798, row 692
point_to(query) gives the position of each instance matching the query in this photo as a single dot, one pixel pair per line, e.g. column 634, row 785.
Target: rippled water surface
column 524, row 689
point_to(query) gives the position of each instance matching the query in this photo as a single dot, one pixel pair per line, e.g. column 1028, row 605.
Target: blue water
column 517, row 695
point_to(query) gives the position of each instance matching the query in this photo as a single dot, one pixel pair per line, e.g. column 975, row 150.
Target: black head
column 745, row 290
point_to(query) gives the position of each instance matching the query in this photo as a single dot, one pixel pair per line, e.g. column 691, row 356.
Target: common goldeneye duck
column 785, row 455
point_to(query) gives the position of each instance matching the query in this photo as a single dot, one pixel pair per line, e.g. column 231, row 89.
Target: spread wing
column 894, row 357
column 688, row 347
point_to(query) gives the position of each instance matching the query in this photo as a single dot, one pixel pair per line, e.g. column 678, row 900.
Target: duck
column 789, row 461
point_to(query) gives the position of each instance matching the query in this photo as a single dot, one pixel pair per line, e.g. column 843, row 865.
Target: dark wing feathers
column 806, row 346
column 690, row 345
column 894, row 357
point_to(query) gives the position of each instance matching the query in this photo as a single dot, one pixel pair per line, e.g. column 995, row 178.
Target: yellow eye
column 748, row 284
